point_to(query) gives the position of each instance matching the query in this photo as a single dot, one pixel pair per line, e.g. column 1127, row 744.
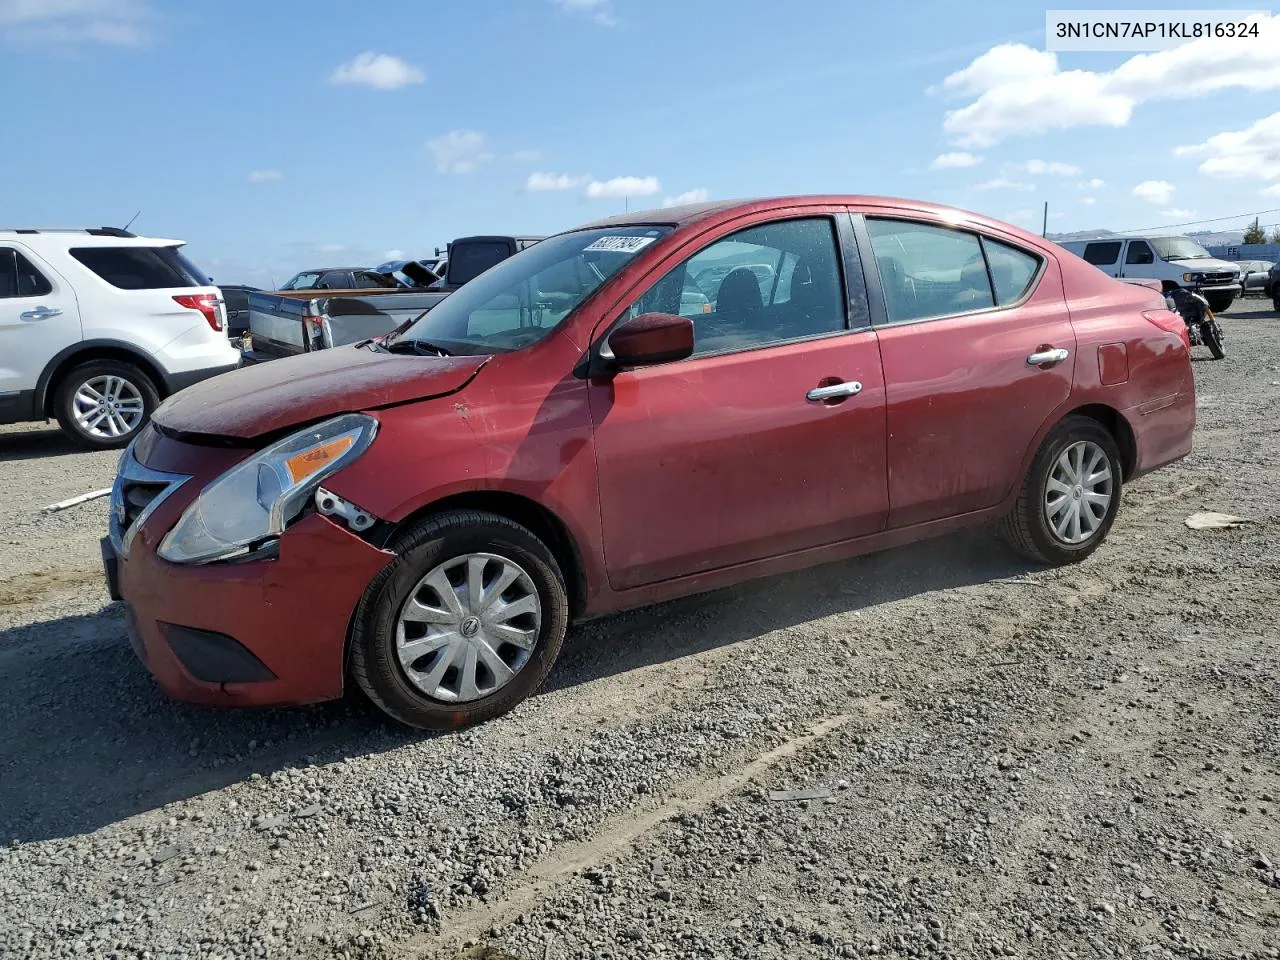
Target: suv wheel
column 104, row 403
column 464, row 624
column 1070, row 497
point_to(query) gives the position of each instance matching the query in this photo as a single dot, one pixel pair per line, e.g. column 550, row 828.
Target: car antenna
column 131, row 219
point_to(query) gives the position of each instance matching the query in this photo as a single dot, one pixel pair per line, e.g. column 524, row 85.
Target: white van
column 1174, row 261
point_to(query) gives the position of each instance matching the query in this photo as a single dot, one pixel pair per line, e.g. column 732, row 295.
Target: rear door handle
column 834, row 391
column 39, row 313
column 1056, row 355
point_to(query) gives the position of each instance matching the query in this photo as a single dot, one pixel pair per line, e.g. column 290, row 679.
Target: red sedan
column 646, row 407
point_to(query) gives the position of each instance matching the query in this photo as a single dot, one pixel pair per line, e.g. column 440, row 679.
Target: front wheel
column 1070, row 497
column 104, row 403
column 463, row 625
column 1211, row 334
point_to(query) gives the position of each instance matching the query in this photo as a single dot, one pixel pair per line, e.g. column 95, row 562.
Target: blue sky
column 276, row 136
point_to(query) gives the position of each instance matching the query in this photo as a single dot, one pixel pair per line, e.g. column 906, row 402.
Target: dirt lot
column 1004, row 761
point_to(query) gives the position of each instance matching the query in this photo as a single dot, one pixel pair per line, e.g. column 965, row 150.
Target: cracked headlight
column 255, row 500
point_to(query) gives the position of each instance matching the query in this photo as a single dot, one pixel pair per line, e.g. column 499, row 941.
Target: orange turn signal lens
column 303, row 465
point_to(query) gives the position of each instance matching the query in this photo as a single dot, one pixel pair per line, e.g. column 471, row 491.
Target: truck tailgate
column 276, row 324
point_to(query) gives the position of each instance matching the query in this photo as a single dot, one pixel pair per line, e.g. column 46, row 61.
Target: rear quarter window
column 141, row 268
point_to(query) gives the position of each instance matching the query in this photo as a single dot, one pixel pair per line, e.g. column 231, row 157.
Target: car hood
column 267, row 397
column 1207, row 266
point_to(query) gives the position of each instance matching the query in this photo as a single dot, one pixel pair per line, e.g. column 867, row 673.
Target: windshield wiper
column 421, row 348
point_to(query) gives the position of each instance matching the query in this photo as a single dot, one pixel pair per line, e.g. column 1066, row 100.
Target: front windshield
column 303, row 281
column 1179, row 248
column 522, row 299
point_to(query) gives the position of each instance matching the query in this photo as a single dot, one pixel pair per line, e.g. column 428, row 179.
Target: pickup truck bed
column 288, row 323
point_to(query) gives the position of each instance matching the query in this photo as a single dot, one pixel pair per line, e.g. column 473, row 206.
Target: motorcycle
column 1202, row 325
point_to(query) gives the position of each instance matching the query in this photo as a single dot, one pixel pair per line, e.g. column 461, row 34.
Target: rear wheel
column 1070, row 497
column 463, row 625
column 1219, row 302
column 104, row 403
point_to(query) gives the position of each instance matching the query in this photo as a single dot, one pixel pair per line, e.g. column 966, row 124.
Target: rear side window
column 141, row 268
column 467, row 261
column 236, row 299
column 1102, row 254
column 19, row 277
column 929, row 271
column 1012, row 270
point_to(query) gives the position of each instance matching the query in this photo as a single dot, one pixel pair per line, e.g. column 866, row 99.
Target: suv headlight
column 256, row 499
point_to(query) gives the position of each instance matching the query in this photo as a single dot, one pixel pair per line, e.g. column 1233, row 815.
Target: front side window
column 141, row 268
column 19, row 277
column 1102, row 254
column 766, row 284
column 523, row 298
column 929, row 271
column 1139, row 253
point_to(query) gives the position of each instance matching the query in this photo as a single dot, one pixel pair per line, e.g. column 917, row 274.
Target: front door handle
column 39, row 313
column 834, row 391
column 1043, row 357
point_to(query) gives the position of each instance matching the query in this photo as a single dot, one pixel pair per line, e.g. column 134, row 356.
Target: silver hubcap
column 469, row 627
column 108, row 406
column 1077, row 496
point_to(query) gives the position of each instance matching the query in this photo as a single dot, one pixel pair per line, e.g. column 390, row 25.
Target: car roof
column 685, row 214
column 83, row 238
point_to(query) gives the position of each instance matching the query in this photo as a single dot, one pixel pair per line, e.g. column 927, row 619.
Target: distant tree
column 1255, row 234
column 1275, row 235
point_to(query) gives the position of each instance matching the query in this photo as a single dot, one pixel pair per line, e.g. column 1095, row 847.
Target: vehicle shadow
column 89, row 740
column 36, row 444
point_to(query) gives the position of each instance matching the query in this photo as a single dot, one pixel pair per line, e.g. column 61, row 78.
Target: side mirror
column 649, row 339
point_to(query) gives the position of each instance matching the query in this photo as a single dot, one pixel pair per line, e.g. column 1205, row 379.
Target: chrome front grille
column 137, row 492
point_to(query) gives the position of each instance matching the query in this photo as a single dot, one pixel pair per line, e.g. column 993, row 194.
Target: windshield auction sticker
column 1142, row 30
column 620, row 244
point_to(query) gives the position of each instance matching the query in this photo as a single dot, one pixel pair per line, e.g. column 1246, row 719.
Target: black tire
column 374, row 663
column 64, row 401
column 1220, row 302
column 1026, row 528
column 1275, row 302
column 1212, row 337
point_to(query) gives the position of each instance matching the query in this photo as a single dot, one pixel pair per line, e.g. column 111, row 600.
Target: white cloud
column 1253, row 152
column 378, row 70
column 689, row 196
column 264, row 176
column 955, row 161
column 1272, row 191
column 331, row 247
column 527, row 156
column 623, row 187
column 1000, row 183
column 600, row 11
column 1094, row 184
column 1154, row 191
column 1088, row 201
column 1052, row 168
column 121, row 23
column 553, row 181
column 394, row 255
column 1019, row 91
column 1177, row 213
column 459, row 151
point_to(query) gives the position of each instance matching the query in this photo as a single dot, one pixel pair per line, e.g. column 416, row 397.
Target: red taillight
column 206, row 303
column 1170, row 322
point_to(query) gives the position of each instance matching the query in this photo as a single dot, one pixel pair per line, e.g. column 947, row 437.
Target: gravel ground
column 936, row 751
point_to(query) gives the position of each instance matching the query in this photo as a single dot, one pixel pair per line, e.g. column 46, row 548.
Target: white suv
column 98, row 326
